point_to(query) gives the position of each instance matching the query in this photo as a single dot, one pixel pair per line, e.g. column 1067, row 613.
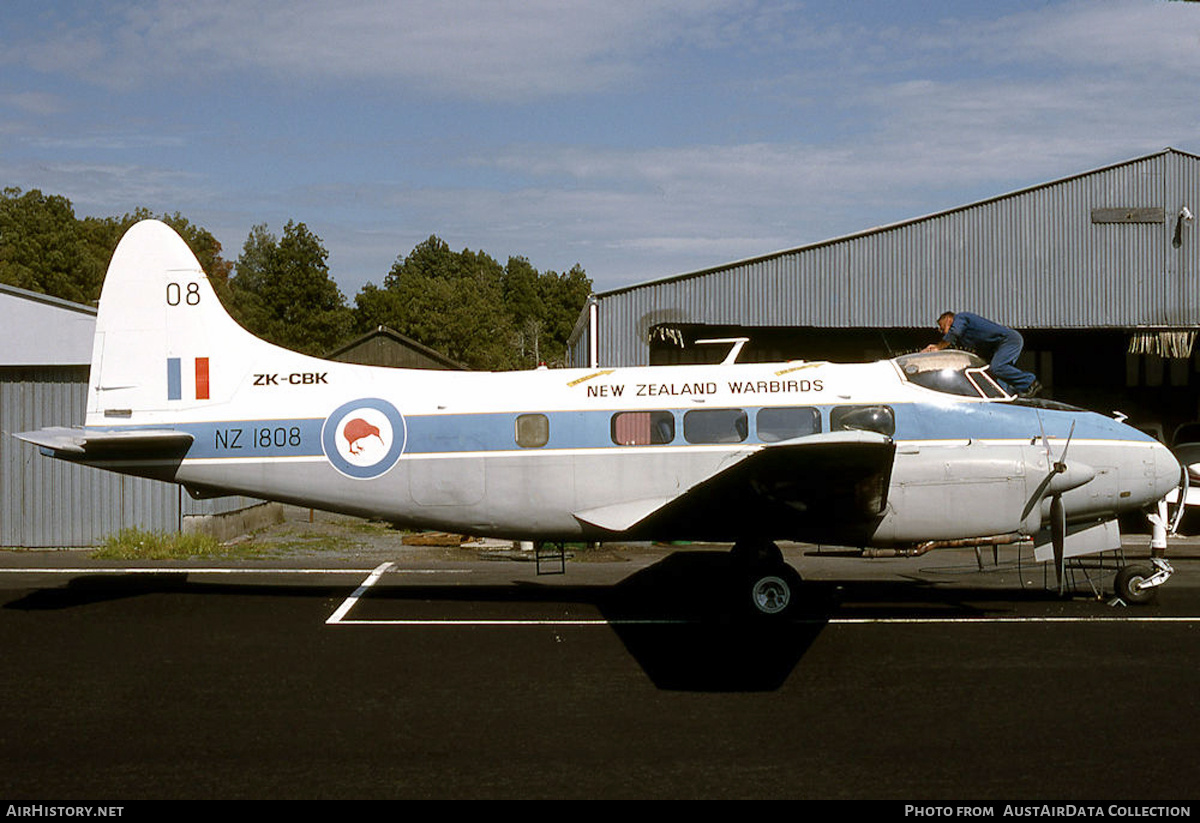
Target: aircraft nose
column 1164, row 472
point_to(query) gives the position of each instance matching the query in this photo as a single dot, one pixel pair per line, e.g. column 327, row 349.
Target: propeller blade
column 1058, row 538
column 1061, row 465
column 1058, row 512
column 1036, row 498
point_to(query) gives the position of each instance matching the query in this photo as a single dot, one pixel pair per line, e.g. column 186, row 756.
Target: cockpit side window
column 879, row 419
column 983, row 380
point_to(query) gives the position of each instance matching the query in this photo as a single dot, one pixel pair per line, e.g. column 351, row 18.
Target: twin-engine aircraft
column 907, row 452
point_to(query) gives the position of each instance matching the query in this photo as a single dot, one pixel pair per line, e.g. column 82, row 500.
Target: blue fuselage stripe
column 447, row 434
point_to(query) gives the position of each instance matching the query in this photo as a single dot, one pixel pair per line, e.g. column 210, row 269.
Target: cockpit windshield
column 952, row 372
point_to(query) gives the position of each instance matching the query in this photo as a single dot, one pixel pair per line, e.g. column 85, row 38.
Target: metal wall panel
column 50, row 503
column 1031, row 259
column 216, row 505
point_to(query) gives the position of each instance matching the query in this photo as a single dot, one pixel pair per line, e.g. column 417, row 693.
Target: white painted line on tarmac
column 837, row 621
column 862, row 621
column 362, row 589
column 374, row 575
column 339, row 617
column 555, row 622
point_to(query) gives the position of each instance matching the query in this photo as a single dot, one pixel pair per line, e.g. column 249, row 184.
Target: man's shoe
column 1035, row 388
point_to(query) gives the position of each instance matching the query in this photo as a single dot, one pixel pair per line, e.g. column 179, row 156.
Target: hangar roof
column 1107, row 248
column 387, row 347
column 39, row 330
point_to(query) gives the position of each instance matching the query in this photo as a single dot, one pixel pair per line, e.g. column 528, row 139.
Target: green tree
column 281, row 291
column 468, row 306
column 450, row 301
column 524, row 306
column 43, row 248
column 563, row 297
column 102, row 234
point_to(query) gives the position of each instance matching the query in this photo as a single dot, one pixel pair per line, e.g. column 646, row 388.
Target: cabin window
column 533, row 430
column 863, row 418
column 786, row 422
column 643, row 428
column 715, row 426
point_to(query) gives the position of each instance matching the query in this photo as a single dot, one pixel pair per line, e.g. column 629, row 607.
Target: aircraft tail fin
column 164, row 344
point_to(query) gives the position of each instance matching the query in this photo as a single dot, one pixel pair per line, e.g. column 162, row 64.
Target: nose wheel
column 1137, row 583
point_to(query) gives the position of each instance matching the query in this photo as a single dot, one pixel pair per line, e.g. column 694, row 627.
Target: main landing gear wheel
column 769, row 584
column 1128, row 584
column 770, row 594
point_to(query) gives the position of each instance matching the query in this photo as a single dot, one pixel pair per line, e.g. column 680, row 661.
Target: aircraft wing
column 94, row 444
column 819, row 486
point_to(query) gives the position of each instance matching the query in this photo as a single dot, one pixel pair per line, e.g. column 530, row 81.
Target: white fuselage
column 521, row 454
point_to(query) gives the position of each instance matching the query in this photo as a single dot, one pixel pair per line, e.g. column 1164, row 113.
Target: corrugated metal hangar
column 45, row 352
column 1098, row 271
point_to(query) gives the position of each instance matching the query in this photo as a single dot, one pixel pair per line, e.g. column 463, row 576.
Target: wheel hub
column 771, row 594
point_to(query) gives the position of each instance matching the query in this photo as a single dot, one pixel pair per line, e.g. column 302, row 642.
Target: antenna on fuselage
column 734, row 350
column 891, row 352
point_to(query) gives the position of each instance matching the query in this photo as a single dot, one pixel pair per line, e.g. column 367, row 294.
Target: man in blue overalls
column 965, row 330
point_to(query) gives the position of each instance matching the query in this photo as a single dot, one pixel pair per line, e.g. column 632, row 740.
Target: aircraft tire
column 1127, row 582
column 772, row 591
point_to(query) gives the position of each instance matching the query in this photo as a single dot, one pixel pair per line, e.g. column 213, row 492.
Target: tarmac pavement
column 345, row 664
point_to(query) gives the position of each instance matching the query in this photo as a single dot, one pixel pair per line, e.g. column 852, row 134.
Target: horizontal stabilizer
column 93, row 444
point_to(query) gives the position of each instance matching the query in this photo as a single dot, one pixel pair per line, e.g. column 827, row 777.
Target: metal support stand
column 546, row 553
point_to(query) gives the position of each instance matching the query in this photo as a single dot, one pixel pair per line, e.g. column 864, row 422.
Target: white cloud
column 106, row 142
column 474, row 49
column 33, row 102
column 1127, row 34
column 97, row 187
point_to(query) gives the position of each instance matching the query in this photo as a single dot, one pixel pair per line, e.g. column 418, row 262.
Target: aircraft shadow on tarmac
column 721, row 645
column 93, row 589
column 683, row 619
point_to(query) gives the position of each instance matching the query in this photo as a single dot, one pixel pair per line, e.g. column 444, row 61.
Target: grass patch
column 138, row 544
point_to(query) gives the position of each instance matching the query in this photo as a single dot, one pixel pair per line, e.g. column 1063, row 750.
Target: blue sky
column 638, row 138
